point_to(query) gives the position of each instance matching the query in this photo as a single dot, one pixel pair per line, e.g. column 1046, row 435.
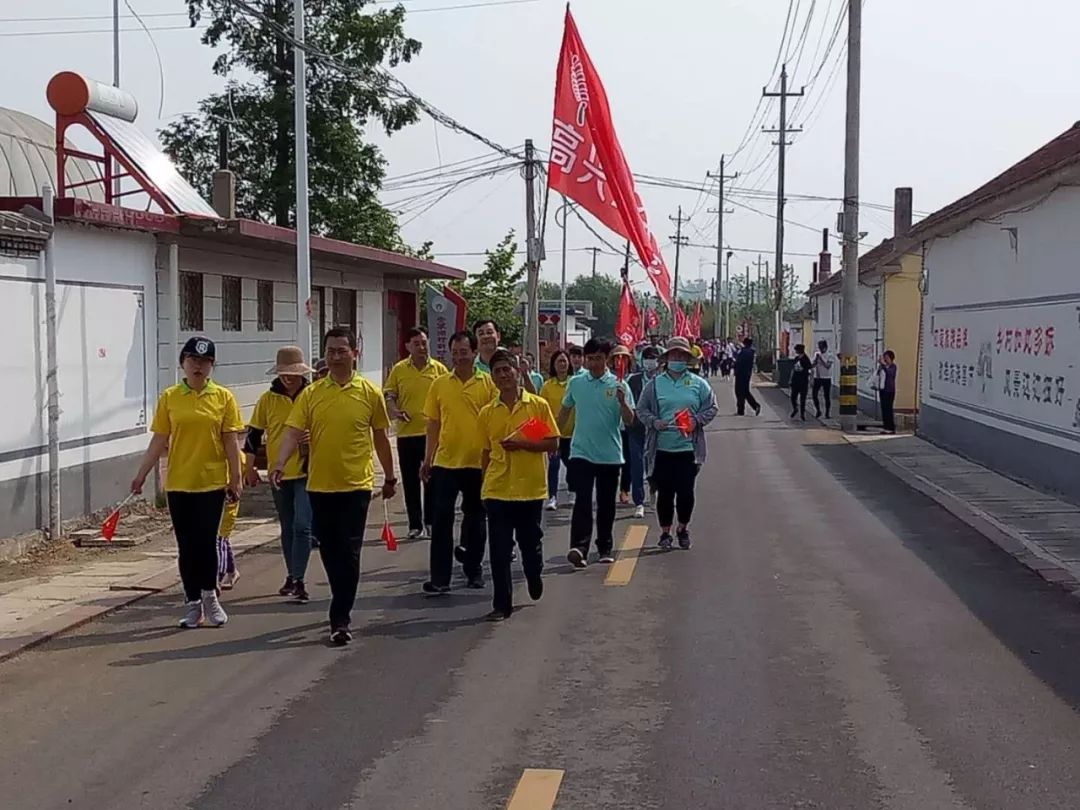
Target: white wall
column 983, row 287
column 871, row 326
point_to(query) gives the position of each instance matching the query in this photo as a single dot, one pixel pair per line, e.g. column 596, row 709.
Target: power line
column 101, row 31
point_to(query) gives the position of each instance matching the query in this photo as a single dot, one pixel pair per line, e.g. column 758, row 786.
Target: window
column 230, row 304
column 191, row 302
column 345, row 309
column 266, row 306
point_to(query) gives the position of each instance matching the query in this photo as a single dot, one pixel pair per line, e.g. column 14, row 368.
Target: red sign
column 587, row 163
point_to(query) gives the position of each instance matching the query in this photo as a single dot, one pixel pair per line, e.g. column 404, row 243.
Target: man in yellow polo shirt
column 345, row 416
column 452, row 464
column 406, row 392
column 515, row 482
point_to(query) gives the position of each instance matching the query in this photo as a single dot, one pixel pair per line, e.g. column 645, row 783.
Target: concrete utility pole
column 678, row 237
column 532, row 256
column 849, row 284
column 727, row 291
column 303, row 227
column 594, row 250
column 782, row 131
column 720, row 211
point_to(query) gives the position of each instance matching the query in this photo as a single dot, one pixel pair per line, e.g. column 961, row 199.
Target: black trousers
column 624, row 473
column 564, row 457
column 674, row 474
column 446, row 485
column 743, row 396
column 605, row 479
column 509, row 521
column 888, row 417
column 417, row 494
column 338, row 519
column 196, row 517
column 798, row 397
column 825, row 386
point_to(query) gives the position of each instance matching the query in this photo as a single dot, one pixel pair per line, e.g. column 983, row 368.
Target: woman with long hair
column 553, row 390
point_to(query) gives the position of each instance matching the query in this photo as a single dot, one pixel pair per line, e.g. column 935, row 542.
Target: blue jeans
column 294, row 514
column 637, row 467
column 562, row 458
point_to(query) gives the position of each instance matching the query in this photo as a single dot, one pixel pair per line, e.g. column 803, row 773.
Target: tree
column 604, row 292
column 492, row 293
column 345, row 173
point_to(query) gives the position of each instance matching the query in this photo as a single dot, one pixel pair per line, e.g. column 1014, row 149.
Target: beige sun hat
column 677, row 344
column 290, row 360
column 620, row 350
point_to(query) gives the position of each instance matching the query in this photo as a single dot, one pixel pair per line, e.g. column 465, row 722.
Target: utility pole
column 849, row 284
column 532, row 263
column 727, row 295
column 783, row 131
column 303, row 228
column 678, row 237
column 116, row 83
column 594, row 250
column 720, row 211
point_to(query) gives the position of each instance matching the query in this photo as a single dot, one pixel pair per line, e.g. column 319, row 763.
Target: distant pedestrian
column 650, row 362
column 800, row 381
column 554, row 391
column 886, row 385
column 346, row 418
column 528, row 369
column 321, row 370
column 197, row 422
column 822, row 364
column 673, row 456
column 514, row 483
column 577, row 360
column 406, row 392
column 617, row 352
column 602, row 406
column 744, row 370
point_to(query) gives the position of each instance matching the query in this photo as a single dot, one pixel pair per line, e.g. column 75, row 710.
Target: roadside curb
column 119, row 596
column 1044, row 563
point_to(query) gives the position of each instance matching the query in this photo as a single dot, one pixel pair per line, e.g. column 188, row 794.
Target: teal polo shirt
column 673, row 395
column 598, row 426
column 537, row 380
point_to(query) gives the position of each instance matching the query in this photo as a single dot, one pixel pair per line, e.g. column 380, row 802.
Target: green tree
column 492, row 293
column 604, row 292
column 345, row 173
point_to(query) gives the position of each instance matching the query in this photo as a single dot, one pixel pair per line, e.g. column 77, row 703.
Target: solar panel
column 157, row 166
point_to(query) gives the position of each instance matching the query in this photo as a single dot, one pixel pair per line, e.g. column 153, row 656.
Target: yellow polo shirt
column 271, row 413
column 410, row 385
column 554, row 391
column 519, row 475
column 456, row 406
column 341, row 419
column 194, row 421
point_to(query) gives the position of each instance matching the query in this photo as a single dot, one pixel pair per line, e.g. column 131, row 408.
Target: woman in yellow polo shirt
column 514, row 485
column 197, row 422
column 553, row 390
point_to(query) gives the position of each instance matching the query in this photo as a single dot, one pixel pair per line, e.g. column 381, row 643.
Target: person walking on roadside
column 886, row 385
column 800, row 381
column 406, row 392
column 514, row 483
column 290, row 497
column 822, row 364
column 554, row 391
column 744, row 370
column 650, row 362
column 602, row 406
column 452, row 457
column 673, row 457
column 197, row 422
column 346, row 419
column 577, row 360
column 624, row 474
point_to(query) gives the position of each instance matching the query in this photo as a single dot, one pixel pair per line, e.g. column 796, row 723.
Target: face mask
column 678, row 366
column 650, row 363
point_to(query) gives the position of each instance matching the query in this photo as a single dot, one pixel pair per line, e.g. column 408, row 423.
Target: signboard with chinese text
column 445, row 316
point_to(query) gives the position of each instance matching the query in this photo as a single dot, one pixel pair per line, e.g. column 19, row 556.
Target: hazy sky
column 954, row 92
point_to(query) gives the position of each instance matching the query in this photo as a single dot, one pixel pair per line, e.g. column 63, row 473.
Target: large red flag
column 679, row 328
column 628, row 322
column 587, row 163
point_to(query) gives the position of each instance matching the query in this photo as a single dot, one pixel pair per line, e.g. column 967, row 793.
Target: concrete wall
column 1001, row 377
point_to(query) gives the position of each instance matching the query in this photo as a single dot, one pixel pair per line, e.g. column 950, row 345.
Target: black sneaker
column 300, row 592
column 461, row 554
column 431, row 589
column 666, row 541
column 684, row 539
column 577, row 558
column 476, row 583
column 536, row 588
column 340, row 636
column 757, row 410
column 289, row 588
column 497, row 616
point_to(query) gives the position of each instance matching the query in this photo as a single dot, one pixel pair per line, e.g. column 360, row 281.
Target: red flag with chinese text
column 587, row 163
column 652, row 320
column 628, row 322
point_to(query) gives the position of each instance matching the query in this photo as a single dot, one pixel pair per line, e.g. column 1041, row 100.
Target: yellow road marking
column 624, row 566
column 536, row 790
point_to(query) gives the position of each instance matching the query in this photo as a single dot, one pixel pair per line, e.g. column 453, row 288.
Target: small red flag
column 534, row 429
column 387, row 532
column 684, row 421
column 108, row 528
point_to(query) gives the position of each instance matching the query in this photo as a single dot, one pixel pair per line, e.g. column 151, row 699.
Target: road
column 834, row 640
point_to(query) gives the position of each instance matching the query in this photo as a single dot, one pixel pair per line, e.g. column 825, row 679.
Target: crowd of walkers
column 482, row 443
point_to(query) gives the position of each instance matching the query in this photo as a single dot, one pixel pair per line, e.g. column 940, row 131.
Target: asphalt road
column 834, row 640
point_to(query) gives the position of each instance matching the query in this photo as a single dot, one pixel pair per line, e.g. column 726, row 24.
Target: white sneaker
column 212, row 609
column 553, row 504
column 193, row 615
column 639, row 512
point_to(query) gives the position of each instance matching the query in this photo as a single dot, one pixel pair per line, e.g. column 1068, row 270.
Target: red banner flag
column 587, row 163
column 652, row 320
column 695, row 321
column 679, row 328
column 628, row 322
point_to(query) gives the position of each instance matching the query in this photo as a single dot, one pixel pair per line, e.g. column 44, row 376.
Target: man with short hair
column 650, row 362
column 602, row 405
column 452, row 462
column 744, row 370
column 346, row 418
column 406, row 392
column 577, row 360
column 487, row 336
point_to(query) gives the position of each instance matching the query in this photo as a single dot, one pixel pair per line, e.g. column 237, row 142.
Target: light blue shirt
column 688, row 392
column 598, row 426
column 537, row 380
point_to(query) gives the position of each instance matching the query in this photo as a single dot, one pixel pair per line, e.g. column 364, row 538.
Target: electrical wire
column 157, row 54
